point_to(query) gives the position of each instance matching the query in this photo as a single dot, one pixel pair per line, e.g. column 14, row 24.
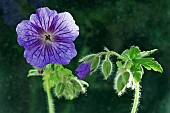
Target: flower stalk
column 136, row 99
column 113, row 53
column 49, row 97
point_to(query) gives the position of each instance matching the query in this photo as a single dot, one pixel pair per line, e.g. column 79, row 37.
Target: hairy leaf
column 146, row 53
column 125, row 54
column 137, row 76
column 150, row 63
column 134, row 52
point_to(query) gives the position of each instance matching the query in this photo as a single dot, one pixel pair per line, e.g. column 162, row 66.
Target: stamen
column 47, row 37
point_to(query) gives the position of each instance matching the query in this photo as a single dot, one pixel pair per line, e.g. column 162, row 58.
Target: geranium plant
column 48, row 41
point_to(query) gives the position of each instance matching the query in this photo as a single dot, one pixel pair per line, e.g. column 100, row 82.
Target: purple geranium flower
column 83, row 70
column 48, row 37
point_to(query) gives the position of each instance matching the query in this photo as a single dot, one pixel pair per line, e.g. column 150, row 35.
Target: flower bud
column 106, row 68
column 40, row 71
column 119, row 85
column 122, row 80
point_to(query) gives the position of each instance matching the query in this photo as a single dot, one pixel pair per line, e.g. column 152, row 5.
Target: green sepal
column 87, row 58
column 59, row 89
column 65, row 84
column 69, row 92
column 119, row 85
column 95, row 63
column 71, row 88
column 33, row 72
column 76, row 84
column 125, row 77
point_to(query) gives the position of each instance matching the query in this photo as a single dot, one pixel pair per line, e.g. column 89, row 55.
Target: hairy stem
column 136, row 99
column 113, row 53
column 118, row 55
column 50, row 100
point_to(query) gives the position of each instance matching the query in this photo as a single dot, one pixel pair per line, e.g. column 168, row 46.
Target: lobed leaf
column 134, row 52
column 146, row 53
column 150, row 63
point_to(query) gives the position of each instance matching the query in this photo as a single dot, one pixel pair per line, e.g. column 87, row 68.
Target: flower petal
column 63, row 52
column 27, row 35
column 66, row 27
column 61, row 27
column 43, row 18
column 38, row 56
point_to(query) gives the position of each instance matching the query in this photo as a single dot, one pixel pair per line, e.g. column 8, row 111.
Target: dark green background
column 117, row 24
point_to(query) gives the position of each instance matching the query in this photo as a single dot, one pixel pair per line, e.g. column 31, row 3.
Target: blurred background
column 117, row 24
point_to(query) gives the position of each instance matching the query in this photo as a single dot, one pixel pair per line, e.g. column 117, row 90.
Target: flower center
column 47, row 37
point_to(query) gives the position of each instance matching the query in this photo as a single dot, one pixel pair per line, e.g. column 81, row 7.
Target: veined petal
column 43, row 18
column 63, row 52
column 37, row 56
column 66, row 27
column 48, row 37
column 28, row 36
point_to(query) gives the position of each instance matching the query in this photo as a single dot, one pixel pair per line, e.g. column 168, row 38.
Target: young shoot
column 130, row 64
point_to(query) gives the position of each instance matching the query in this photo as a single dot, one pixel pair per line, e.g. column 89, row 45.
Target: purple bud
column 83, row 70
column 40, row 71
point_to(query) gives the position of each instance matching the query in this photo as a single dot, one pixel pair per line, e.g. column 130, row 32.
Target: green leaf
column 106, row 68
column 87, row 58
column 95, row 63
column 125, row 54
column 146, row 53
column 150, row 63
column 131, row 53
column 136, row 67
column 134, row 52
column 77, row 85
column 137, row 71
